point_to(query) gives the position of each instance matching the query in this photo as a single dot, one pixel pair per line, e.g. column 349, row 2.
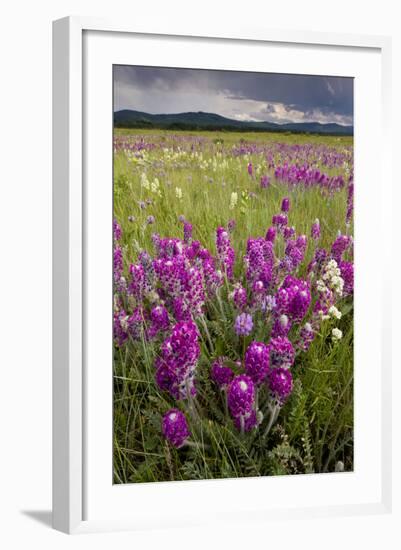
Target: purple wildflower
column 315, row 230
column 225, row 252
column 187, row 232
column 175, row 368
column 116, row 230
column 271, row 234
column 285, row 205
column 281, row 326
column 250, row 168
column 280, row 221
column 160, row 320
column 241, row 396
column 257, row 361
column 175, row 428
column 280, row 384
column 221, row 374
column 347, row 273
column 239, row 296
column 282, row 353
column 306, row 336
column 231, row 225
column 150, row 220
column 340, row 245
column 243, row 324
column 264, row 182
column 288, row 232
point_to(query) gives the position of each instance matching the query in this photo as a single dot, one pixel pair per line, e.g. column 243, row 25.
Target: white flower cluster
column 153, row 186
column 336, row 334
column 331, row 279
column 334, row 312
column 178, row 193
column 233, row 200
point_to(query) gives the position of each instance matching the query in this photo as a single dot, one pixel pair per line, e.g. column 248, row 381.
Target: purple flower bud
column 243, row 324
column 271, row 234
column 264, row 182
column 285, row 205
column 257, row 361
column 280, row 384
column 150, row 220
column 241, row 395
column 250, row 168
column 175, row 428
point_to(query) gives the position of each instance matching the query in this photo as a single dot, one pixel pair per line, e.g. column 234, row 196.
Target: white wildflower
column 145, row 182
column 336, row 334
column 155, row 186
column 178, row 193
column 233, row 200
column 334, row 312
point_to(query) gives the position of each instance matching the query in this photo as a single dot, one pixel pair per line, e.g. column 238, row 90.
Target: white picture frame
column 71, row 420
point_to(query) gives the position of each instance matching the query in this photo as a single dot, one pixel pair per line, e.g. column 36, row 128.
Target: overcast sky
column 240, row 95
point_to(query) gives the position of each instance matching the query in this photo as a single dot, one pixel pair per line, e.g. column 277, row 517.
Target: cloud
column 241, row 95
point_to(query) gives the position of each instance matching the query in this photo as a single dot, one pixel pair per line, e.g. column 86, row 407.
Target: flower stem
column 273, row 417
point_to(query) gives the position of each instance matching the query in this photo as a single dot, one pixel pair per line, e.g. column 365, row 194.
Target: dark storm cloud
column 259, row 96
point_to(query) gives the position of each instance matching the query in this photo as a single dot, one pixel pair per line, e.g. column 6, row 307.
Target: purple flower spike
column 116, row 230
column 187, row 232
column 239, row 296
column 271, row 234
column 225, row 251
column 175, row 428
column 250, row 169
column 280, row 221
column 282, row 353
column 221, row 374
column 347, row 273
column 280, row 384
column 306, row 336
column 281, row 326
column 243, row 324
column 257, row 361
column 160, row 321
column 315, row 230
column 264, row 182
column 241, row 396
column 285, row 205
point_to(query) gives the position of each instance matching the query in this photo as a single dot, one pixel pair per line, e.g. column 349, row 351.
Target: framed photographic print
column 219, row 333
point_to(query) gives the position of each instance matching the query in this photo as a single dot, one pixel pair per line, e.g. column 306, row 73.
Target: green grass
column 315, row 427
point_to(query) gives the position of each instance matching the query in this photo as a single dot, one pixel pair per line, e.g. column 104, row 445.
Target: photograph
column 233, row 274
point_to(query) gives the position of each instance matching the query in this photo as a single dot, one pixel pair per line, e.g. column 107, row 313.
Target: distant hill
column 211, row 121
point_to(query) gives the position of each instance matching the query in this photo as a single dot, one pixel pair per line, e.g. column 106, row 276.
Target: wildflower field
column 233, row 305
